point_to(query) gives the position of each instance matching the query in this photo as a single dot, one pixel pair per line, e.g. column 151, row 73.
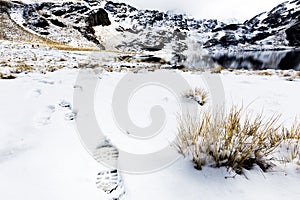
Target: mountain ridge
column 281, row 23
column 118, row 26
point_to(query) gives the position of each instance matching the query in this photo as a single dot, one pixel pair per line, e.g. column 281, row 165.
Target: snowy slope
column 42, row 156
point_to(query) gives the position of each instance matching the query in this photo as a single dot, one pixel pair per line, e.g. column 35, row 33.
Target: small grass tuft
column 217, row 70
column 62, row 59
column 22, row 67
column 264, row 73
column 198, row 95
column 7, row 76
column 290, row 146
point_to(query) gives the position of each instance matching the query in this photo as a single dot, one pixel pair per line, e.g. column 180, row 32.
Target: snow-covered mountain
column 276, row 29
column 119, row 26
column 272, row 30
column 152, row 30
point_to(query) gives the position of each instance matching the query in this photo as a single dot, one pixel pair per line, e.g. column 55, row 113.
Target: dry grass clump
column 22, row 67
column 125, row 58
column 62, row 59
column 4, row 63
column 290, row 147
column 217, row 70
column 285, row 73
column 231, row 69
column 7, row 76
column 264, row 73
column 54, row 68
column 235, row 140
column 198, row 95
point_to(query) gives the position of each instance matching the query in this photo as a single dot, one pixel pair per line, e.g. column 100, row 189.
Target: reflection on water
column 257, row 60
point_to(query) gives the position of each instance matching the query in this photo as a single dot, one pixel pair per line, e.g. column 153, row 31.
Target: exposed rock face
column 98, row 17
column 293, row 34
column 57, row 23
column 120, row 10
column 4, row 6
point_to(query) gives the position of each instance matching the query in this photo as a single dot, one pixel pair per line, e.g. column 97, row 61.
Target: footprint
column 70, row 116
column 44, row 117
column 34, row 93
column 79, row 87
column 108, row 154
column 111, row 184
column 46, row 81
column 65, row 104
column 12, row 151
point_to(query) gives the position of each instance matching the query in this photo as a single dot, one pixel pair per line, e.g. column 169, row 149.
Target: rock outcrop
column 293, row 34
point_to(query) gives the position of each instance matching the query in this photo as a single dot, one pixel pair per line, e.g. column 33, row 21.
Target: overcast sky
column 218, row 9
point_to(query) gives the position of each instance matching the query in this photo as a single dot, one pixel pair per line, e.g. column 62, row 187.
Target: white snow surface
column 42, row 157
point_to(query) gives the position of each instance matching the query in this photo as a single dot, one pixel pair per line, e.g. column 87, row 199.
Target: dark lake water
column 258, row 60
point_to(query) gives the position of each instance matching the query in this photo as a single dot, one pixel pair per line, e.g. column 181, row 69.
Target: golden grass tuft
column 7, row 76
column 264, row 73
column 22, row 67
column 285, row 73
column 62, row 59
column 54, row 68
column 217, row 70
column 291, row 143
column 4, row 63
column 235, row 139
column 198, row 95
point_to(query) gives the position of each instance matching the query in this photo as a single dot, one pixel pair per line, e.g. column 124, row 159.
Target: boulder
column 38, row 22
column 57, row 23
column 228, row 39
column 293, row 34
column 98, row 17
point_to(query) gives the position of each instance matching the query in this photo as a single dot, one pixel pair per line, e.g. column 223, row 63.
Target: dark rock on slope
column 293, row 34
column 98, row 17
